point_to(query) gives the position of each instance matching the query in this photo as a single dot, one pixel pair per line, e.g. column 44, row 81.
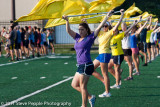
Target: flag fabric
column 132, row 11
column 45, row 9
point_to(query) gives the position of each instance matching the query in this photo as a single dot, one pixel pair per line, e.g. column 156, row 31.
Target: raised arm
column 141, row 28
column 120, row 20
column 103, row 22
column 150, row 22
column 128, row 30
column 155, row 25
column 156, row 30
column 68, row 29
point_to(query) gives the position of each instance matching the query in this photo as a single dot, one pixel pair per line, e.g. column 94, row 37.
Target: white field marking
column 13, row 78
column 66, row 76
column 158, row 76
column 66, row 63
column 59, row 56
column 45, row 63
column 20, row 61
column 25, row 63
column 36, row 92
column 42, row 77
column 126, row 62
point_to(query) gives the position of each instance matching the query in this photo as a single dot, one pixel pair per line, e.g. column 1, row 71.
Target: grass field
column 46, row 82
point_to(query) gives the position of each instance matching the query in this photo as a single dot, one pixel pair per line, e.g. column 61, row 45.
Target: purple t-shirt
column 83, row 48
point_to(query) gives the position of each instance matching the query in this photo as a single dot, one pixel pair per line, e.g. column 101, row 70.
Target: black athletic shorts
column 118, row 59
column 18, row 46
column 26, row 43
column 127, row 52
column 86, row 69
column 142, row 47
column 50, row 41
column 45, row 44
column 12, row 46
column 149, row 45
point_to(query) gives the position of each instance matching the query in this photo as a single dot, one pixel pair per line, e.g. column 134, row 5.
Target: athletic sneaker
column 145, row 64
column 128, row 78
column 105, row 94
column 120, row 82
column 115, row 86
column 134, row 69
column 92, row 100
column 152, row 59
column 136, row 73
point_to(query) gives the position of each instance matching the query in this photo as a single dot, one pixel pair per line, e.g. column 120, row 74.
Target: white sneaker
column 136, row 73
column 92, row 100
column 134, row 69
column 105, row 94
column 120, row 82
column 115, row 86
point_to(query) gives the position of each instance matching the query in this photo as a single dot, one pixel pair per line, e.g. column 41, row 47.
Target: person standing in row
column 83, row 44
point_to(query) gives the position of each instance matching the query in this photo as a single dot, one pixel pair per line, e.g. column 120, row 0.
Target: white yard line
column 20, row 61
column 34, row 59
column 36, row 92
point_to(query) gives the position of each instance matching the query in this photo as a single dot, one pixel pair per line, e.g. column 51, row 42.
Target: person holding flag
column 84, row 41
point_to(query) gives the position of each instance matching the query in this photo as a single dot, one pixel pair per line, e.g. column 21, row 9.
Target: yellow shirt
column 104, row 41
column 148, row 36
column 116, row 45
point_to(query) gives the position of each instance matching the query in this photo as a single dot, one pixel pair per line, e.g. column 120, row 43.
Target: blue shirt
column 31, row 37
column 133, row 41
column 18, row 37
column 83, row 48
column 143, row 35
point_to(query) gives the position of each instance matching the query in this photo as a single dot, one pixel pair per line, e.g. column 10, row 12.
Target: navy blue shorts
column 104, row 58
column 86, row 69
column 118, row 59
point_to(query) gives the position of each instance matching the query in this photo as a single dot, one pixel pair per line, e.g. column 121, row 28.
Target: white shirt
column 155, row 37
column 126, row 42
column 152, row 37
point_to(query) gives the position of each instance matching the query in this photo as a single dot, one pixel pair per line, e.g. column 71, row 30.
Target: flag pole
column 91, row 14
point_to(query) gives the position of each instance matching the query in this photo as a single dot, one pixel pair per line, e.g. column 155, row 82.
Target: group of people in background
column 19, row 42
column 140, row 40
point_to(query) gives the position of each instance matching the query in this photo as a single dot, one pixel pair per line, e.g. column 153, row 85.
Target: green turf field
column 39, row 82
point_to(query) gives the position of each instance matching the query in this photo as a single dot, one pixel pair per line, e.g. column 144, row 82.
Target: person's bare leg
column 110, row 69
column 95, row 73
column 104, row 70
column 128, row 59
column 117, row 73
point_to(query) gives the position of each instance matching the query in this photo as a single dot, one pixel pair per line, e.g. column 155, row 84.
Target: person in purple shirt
column 84, row 41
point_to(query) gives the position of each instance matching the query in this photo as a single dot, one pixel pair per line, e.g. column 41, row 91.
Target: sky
column 89, row 0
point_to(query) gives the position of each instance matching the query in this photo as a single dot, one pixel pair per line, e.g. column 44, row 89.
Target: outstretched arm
column 120, row 20
column 156, row 30
column 68, row 29
column 150, row 22
column 141, row 28
column 155, row 26
column 103, row 22
column 128, row 30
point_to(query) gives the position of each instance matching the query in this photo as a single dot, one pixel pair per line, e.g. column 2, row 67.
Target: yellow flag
column 75, row 7
column 132, row 11
column 45, row 9
column 146, row 14
column 104, row 5
column 71, row 7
